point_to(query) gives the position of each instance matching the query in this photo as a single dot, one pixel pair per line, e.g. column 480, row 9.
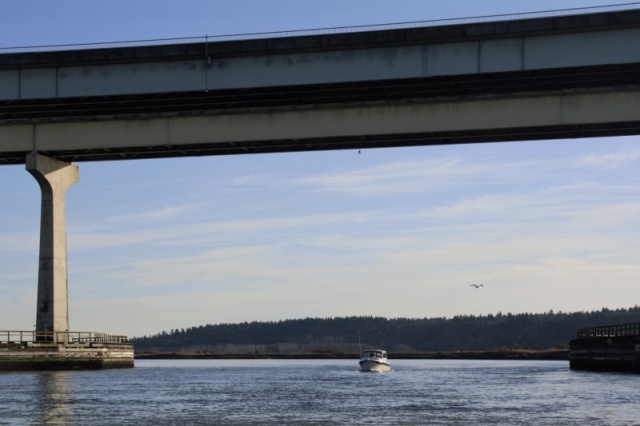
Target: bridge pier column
column 54, row 178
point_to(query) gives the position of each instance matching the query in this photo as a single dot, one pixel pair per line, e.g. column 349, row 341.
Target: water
column 322, row 392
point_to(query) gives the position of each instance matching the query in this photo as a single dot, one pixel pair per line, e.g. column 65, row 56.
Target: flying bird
column 476, row 285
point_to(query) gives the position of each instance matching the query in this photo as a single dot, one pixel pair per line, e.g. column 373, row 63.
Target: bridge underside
column 339, row 143
column 425, row 93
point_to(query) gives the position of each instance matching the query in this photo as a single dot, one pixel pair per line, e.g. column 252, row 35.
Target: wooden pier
column 37, row 350
column 606, row 348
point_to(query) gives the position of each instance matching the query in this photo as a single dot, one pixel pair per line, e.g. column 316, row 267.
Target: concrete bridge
column 550, row 75
column 525, row 77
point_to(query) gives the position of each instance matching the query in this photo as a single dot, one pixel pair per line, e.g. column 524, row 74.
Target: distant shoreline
column 551, row 355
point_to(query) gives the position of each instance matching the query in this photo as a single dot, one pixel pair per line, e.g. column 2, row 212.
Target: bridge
column 549, row 75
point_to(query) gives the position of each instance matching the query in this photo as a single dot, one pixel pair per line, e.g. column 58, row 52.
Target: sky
column 156, row 245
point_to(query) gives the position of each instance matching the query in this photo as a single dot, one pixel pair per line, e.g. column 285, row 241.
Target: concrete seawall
column 62, row 357
column 36, row 351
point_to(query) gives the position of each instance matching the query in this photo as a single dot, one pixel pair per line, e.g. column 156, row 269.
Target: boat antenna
column 359, row 345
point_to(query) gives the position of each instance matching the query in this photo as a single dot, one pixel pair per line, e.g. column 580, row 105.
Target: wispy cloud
column 610, row 160
column 159, row 215
column 13, row 242
column 410, row 176
column 405, row 176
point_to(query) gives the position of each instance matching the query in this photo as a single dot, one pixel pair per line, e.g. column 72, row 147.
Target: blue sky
column 162, row 244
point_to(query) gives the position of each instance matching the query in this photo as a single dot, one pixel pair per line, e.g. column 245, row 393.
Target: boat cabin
column 374, row 354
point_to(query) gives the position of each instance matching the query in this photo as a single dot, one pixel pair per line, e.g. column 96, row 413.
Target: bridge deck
column 257, row 96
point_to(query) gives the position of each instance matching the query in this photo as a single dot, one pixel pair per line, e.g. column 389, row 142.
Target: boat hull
column 373, row 365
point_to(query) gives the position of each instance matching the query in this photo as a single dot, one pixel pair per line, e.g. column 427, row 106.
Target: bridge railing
column 619, row 330
column 77, row 337
column 325, row 31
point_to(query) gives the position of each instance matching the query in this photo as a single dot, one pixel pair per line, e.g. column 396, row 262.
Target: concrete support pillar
column 54, row 178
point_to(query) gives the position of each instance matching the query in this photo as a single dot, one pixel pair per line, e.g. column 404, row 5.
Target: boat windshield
column 374, row 354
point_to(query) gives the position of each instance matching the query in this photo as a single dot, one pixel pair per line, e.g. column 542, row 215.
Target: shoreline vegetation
column 500, row 336
column 547, row 355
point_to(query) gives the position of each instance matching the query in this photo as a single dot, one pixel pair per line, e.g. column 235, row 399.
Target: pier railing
column 619, row 330
column 74, row 337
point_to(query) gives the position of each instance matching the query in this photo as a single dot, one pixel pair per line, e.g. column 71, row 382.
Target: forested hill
column 407, row 335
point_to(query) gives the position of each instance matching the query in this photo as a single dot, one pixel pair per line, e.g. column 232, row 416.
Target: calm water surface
column 322, row 392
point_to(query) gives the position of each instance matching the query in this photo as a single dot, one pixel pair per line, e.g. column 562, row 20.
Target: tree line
column 550, row 330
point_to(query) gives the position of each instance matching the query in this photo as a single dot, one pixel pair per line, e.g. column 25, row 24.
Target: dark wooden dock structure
column 606, row 348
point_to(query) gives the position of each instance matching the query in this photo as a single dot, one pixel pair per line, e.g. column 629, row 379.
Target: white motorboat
column 374, row 360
